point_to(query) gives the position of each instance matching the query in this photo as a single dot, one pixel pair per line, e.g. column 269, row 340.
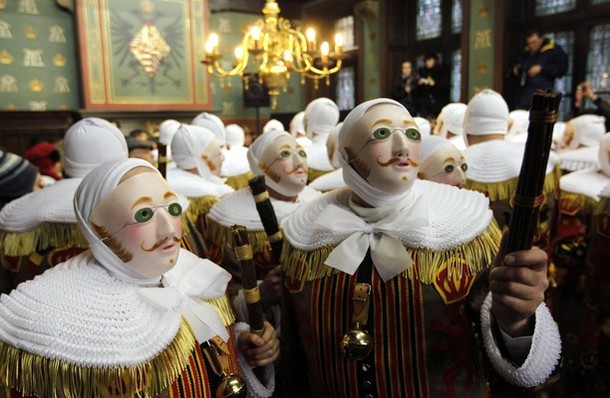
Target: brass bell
column 231, row 386
column 357, row 344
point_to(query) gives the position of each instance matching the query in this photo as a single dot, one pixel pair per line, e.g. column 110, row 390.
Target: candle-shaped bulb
column 338, row 44
column 310, row 34
column 239, row 53
column 324, row 50
column 255, row 32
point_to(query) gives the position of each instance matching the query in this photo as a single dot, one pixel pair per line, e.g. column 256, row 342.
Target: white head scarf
column 425, row 128
column 353, row 180
column 519, row 122
column 167, row 130
column 453, row 118
column 257, row 149
column 235, row 135
column 187, row 146
column 212, row 123
column 296, row 124
column 588, row 130
column 486, row 113
column 89, row 143
column 604, row 159
column 431, row 144
column 94, row 187
column 322, row 114
column 273, row 124
column 333, row 137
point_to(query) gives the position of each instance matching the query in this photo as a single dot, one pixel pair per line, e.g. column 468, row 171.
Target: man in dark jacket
column 432, row 87
column 542, row 62
column 404, row 90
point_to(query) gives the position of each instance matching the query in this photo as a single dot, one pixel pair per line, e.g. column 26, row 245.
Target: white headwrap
column 353, row 180
column 89, row 143
column 94, row 187
column 235, row 135
column 519, row 122
column 187, row 147
column 257, row 149
column 425, row 128
column 487, row 113
column 273, row 124
column 453, row 118
column 167, row 130
column 588, row 130
column 431, row 144
column 333, row 138
column 212, row 123
column 296, row 124
column 604, row 159
column 322, row 114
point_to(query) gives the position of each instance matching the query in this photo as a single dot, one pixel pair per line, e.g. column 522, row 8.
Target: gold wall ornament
column 31, row 32
column 277, row 50
column 2, row 4
column 5, row 57
column 59, row 60
column 36, row 85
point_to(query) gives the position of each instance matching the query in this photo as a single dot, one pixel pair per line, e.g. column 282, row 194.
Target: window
column 346, row 88
column 550, row 7
column 596, row 2
column 598, row 59
column 456, row 16
column 429, row 19
column 345, row 26
column 456, row 75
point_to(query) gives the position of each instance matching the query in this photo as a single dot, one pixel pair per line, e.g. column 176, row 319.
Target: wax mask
column 604, row 154
column 568, row 135
column 140, row 221
column 446, row 166
column 213, row 157
column 285, row 162
column 383, row 147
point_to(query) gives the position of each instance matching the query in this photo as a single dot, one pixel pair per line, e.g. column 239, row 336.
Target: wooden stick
column 267, row 215
column 528, row 196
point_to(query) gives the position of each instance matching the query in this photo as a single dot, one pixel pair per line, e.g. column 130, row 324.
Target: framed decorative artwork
column 143, row 55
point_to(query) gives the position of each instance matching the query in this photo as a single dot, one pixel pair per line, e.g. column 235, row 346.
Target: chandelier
column 277, row 50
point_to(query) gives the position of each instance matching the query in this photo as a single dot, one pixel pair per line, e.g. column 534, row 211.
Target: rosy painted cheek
column 414, row 152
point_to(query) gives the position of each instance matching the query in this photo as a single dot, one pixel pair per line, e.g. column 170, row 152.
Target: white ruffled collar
column 236, row 162
column 494, row 161
column 317, row 156
column 51, row 204
column 579, row 159
column 239, row 208
column 329, row 181
column 588, row 182
column 455, row 217
column 194, row 186
column 78, row 313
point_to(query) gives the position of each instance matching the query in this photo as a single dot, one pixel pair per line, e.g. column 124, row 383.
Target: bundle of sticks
column 267, row 215
column 528, row 196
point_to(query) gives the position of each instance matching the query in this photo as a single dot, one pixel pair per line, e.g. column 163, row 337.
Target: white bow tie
column 188, row 294
column 389, row 255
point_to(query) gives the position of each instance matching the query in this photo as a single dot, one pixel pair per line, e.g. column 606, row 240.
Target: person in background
column 602, row 106
column 442, row 162
column 321, row 116
column 404, row 90
column 541, row 63
column 432, row 87
column 47, row 158
column 141, row 150
column 140, row 135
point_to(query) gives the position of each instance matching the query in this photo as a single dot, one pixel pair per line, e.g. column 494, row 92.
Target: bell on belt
column 231, row 386
column 357, row 344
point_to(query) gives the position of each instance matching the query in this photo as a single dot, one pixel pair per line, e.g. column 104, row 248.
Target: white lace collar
column 455, row 217
column 588, row 182
column 579, row 159
column 239, row 208
column 76, row 312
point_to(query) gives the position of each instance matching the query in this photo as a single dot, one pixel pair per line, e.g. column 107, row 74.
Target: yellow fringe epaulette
column 200, row 206
column 572, row 203
column 46, row 235
column 312, row 174
column 602, row 207
column 222, row 236
column 222, row 305
column 504, row 190
column 239, row 181
column 477, row 254
column 32, row 374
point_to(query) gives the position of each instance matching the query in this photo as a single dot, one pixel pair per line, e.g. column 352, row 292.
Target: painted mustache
column 159, row 244
column 299, row 168
column 396, row 159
